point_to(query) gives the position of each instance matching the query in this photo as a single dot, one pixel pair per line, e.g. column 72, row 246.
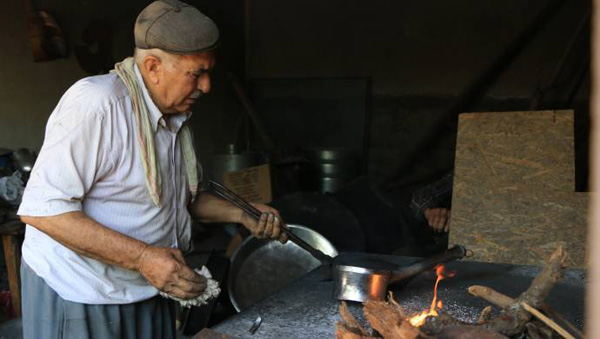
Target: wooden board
column 513, row 198
column 504, row 151
column 524, row 227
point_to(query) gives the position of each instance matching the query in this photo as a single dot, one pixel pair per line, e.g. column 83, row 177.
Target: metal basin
column 260, row 268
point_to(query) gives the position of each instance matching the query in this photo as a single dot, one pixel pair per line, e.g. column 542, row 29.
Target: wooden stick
column 547, row 321
column 557, row 316
column 491, row 296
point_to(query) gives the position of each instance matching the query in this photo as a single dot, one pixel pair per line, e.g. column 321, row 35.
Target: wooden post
column 592, row 325
column 12, row 257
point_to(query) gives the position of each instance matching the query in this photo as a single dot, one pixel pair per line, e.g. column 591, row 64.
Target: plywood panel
column 513, row 198
column 524, row 227
column 504, row 151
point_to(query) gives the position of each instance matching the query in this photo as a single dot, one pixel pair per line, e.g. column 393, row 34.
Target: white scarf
column 126, row 71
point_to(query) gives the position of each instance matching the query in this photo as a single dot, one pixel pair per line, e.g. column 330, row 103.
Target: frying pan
column 356, row 281
column 260, row 267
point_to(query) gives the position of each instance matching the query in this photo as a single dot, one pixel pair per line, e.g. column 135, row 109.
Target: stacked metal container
column 335, row 167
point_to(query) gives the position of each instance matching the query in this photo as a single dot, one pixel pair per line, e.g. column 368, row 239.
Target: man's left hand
column 268, row 227
column 438, row 219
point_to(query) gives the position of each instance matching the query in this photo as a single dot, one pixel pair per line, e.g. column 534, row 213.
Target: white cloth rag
column 212, row 291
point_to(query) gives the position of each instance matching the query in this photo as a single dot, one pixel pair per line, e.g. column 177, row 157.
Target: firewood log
column 388, row 319
column 349, row 321
column 485, row 315
column 343, row 331
column 468, row 332
column 532, row 331
column 512, row 321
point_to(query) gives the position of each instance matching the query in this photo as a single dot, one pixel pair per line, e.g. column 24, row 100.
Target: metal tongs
column 227, row 194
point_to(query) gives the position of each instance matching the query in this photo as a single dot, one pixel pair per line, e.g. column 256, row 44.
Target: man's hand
column 269, row 225
column 166, row 270
column 438, row 219
column 208, row 208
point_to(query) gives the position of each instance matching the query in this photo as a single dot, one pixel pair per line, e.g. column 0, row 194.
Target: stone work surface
column 306, row 308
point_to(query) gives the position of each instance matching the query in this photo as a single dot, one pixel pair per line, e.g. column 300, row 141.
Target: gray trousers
column 47, row 315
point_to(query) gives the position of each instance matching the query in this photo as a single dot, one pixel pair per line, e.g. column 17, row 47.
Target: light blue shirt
column 90, row 162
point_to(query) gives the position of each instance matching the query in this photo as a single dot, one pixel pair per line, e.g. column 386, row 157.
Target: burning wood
column 419, row 320
column 389, row 320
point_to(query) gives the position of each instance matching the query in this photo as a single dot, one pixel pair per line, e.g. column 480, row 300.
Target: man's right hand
column 166, row 270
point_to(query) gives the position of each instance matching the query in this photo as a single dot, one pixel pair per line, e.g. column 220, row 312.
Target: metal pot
column 332, row 154
column 261, row 267
column 338, row 169
column 358, row 283
column 331, row 185
column 335, row 167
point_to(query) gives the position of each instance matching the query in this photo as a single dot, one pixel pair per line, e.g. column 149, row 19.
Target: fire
column 419, row 319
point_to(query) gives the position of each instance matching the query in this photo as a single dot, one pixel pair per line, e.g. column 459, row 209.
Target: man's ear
column 152, row 66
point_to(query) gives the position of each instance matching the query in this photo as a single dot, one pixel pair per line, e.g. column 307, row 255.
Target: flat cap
column 175, row 27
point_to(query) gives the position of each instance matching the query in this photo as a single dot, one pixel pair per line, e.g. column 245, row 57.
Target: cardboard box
column 253, row 183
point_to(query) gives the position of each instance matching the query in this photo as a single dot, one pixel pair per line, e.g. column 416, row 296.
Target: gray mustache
column 197, row 93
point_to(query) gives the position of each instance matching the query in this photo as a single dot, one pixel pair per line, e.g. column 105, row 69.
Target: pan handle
column 410, row 271
column 227, row 194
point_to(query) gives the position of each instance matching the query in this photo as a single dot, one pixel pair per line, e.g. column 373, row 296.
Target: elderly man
column 109, row 204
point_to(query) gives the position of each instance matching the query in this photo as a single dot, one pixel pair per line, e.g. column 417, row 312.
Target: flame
column 419, row 319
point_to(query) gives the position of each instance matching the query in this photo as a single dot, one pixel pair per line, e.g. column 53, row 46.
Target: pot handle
column 410, row 271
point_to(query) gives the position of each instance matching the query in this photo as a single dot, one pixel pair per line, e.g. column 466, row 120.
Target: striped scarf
column 126, row 71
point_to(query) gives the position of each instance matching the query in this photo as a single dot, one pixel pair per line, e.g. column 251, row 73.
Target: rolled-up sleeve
column 437, row 194
column 73, row 157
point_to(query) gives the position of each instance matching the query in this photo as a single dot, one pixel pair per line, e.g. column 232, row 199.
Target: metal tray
column 260, row 268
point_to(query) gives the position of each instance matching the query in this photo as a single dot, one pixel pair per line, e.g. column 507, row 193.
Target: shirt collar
column 177, row 120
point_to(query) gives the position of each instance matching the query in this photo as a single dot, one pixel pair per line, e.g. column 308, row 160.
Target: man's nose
column 204, row 84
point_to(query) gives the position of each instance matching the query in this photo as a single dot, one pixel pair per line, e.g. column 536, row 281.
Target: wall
column 409, row 47
column 421, row 56
column 30, row 90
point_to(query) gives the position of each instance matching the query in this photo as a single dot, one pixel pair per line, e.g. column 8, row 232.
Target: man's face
column 182, row 84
